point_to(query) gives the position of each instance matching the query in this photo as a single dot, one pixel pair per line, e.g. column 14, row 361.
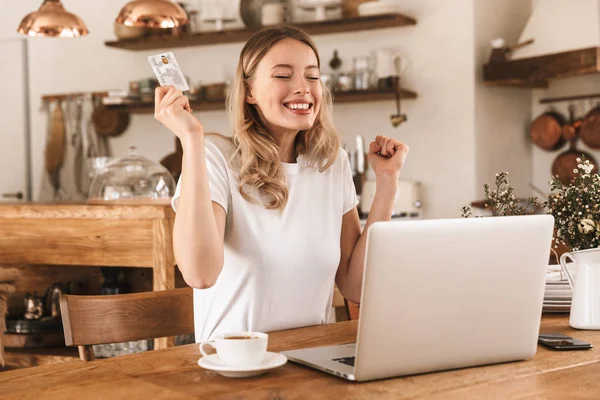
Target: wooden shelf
column 536, row 72
column 241, row 35
column 339, row 97
column 357, row 96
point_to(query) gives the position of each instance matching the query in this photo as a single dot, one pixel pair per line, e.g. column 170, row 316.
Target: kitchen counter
column 107, row 235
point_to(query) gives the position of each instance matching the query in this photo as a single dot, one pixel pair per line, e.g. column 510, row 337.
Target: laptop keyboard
column 345, row 360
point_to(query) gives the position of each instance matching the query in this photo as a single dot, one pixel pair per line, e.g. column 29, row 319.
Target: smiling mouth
column 298, row 106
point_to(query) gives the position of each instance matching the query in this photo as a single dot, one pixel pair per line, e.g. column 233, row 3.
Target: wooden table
column 173, row 374
column 124, row 235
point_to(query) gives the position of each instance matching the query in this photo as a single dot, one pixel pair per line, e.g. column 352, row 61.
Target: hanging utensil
column 566, row 162
column 590, row 128
column 55, row 147
column 110, row 122
column 570, row 130
column 77, row 146
column 397, row 118
column 546, row 131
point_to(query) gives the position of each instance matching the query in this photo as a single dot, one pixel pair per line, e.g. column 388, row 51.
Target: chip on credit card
column 167, row 71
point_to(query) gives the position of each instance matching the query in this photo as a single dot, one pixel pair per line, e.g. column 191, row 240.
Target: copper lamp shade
column 52, row 20
column 152, row 14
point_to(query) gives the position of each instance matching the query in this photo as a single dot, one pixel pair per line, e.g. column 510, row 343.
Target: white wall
column 501, row 114
column 441, row 126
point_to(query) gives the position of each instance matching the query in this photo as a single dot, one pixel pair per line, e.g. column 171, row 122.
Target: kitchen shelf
column 355, row 96
column 536, row 72
column 352, row 24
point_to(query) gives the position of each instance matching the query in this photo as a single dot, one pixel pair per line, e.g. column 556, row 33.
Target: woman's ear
column 250, row 99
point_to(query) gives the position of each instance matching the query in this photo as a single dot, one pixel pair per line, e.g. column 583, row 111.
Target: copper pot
column 566, row 162
column 590, row 129
column 546, row 131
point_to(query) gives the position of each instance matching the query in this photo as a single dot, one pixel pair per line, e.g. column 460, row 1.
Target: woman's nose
column 302, row 90
column 300, row 85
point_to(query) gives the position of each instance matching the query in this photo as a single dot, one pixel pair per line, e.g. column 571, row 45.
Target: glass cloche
column 132, row 179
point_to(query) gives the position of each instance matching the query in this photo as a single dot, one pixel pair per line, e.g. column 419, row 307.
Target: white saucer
column 214, row 363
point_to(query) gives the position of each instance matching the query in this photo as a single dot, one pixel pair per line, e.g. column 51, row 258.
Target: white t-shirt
column 279, row 268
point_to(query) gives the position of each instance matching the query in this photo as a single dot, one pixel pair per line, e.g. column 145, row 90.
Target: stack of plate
column 558, row 293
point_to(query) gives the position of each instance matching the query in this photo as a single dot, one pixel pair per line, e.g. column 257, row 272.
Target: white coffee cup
column 239, row 348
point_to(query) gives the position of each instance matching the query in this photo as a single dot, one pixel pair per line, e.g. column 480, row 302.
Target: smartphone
column 558, row 341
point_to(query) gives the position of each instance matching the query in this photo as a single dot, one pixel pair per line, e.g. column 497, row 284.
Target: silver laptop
column 444, row 294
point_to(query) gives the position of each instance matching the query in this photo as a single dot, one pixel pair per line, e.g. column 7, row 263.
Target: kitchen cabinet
column 108, row 235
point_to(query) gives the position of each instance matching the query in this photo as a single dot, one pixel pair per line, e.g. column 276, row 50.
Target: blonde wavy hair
column 257, row 153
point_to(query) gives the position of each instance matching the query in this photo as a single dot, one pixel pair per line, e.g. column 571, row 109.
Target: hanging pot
column 590, row 129
column 566, row 162
column 109, row 122
column 546, row 131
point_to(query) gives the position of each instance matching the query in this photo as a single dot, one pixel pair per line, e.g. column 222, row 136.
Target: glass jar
column 131, row 179
column 344, row 82
column 362, row 74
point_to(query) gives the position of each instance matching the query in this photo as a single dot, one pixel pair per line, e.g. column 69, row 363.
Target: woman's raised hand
column 387, row 156
column 173, row 110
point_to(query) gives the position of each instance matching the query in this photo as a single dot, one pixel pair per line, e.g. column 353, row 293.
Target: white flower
column 575, row 171
column 578, row 159
column 587, row 168
column 586, row 226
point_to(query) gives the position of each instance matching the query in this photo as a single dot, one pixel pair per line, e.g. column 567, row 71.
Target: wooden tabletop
column 174, row 374
column 126, row 210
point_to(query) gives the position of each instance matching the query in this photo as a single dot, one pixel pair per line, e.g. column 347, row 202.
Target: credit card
column 167, row 71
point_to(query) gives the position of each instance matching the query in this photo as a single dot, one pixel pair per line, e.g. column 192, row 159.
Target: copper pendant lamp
column 152, row 14
column 52, row 20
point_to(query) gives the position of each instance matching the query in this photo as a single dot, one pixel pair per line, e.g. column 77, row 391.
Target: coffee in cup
column 240, row 337
column 239, row 348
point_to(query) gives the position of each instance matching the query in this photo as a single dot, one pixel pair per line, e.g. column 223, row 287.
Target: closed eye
column 282, row 76
column 312, row 78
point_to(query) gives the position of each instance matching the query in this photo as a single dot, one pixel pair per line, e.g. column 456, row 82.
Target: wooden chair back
column 89, row 320
column 353, row 309
column 344, row 310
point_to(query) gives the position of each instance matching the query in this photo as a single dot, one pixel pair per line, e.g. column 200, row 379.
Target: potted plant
column 502, row 202
column 576, row 211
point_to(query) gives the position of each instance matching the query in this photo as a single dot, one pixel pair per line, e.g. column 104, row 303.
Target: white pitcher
column 585, row 306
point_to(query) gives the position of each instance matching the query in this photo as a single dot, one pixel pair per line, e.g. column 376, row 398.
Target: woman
column 267, row 220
